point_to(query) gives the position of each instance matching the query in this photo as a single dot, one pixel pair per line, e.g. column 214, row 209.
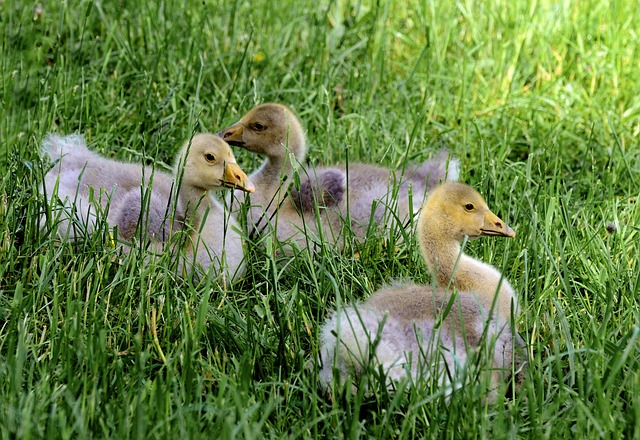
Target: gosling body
column 272, row 130
column 155, row 205
column 329, row 196
column 422, row 331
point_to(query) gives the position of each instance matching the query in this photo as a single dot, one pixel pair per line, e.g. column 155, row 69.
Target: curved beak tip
column 493, row 226
column 236, row 178
column 232, row 135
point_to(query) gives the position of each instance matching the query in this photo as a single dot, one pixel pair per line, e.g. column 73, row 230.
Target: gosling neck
column 196, row 201
column 276, row 173
column 443, row 256
column 455, row 270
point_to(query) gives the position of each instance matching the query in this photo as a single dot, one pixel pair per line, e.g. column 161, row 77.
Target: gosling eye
column 210, row 157
column 258, row 126
column 469, row 207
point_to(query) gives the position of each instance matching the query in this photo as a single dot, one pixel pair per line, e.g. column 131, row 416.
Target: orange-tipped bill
column 235, row 178
column 233, row 135
column 493, row 226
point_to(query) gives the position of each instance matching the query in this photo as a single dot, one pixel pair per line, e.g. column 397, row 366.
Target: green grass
column 540, row 100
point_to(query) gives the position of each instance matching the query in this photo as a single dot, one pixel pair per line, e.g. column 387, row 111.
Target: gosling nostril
column 226, row 135
column 498, row 224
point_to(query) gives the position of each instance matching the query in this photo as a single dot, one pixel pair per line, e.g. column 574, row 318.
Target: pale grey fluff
column 70, row 156
column 369, row 192
column 409, row 342
column 87, row 183
column 83, row 188
column 327, row 187
column 72, row 147
column 151, row 217
column 459, row 330
column 442, row 168
column 358, row 338
column 326, row 198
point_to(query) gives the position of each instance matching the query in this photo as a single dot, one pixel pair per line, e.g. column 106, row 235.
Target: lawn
column 539, row 99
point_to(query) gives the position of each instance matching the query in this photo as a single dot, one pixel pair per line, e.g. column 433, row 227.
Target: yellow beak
column 234, row 177
column 233, row 135
column 493, row 226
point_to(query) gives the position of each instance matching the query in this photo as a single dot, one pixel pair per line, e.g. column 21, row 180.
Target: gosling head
column 209, row 164
column 458, row 210
column 267, row 129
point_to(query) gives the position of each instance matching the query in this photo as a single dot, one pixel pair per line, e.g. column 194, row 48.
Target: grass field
column 541, row 101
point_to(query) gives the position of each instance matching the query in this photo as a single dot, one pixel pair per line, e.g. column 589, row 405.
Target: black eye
column 470, row 207
column 210, row 157
column 258, row 126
